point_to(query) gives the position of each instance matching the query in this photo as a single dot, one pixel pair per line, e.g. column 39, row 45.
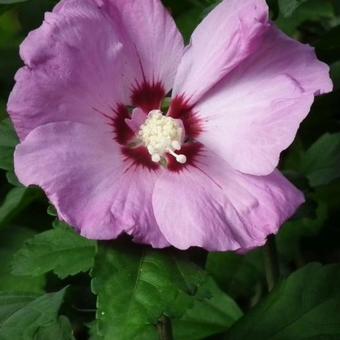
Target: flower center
column 160, row 135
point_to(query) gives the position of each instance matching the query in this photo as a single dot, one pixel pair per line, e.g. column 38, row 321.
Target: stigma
column 162, row 135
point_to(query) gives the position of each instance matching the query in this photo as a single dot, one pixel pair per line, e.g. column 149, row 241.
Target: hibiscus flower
column 88, row 107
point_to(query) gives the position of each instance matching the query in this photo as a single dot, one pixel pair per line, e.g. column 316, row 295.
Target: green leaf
column 60, row 250
column 52, row 211
column 304, row 306
column 10, row 241
column 136, row 286
column 212, row 312
column 60, row 330
column 309, row 11
column 93, row 331
column 8, row 141
column 237, row 275
column 188, row 21
column 287, row 7
column 321, row 162
column 15, row 201
column 292, row 232
column 8, row 2
column 189, row 18
column 30, row 317
column 12, row 179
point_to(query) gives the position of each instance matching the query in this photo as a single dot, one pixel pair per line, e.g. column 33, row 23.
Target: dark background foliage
column 55, row 285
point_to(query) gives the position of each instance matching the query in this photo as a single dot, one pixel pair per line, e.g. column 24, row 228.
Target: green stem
column 271, row 263
column 164, row 328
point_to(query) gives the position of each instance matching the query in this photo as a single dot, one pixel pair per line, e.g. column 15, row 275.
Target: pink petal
column 133, row 206
column 89, row 56
column 219, row 209
column 254, row 112
column 73, row 69
column 83, row 174
column 228, row 35
column 77, row 166
column 151, row 33
column 138, row 117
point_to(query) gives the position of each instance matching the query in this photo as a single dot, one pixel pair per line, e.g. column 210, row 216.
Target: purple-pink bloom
column 87, row 103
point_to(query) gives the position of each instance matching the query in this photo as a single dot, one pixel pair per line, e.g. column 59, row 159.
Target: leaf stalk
column 164, row 328
column 271, row 262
